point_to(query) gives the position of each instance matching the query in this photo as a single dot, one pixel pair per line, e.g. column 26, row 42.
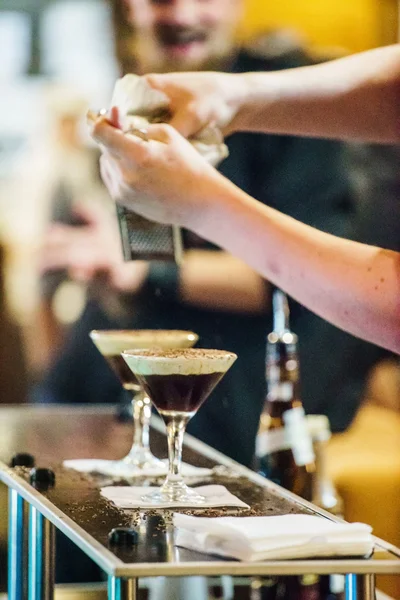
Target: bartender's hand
column 90, row 252
column 164, row 179
column 201, row 99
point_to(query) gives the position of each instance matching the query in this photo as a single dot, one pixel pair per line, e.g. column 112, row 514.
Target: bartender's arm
column 207, row 279
column 356, row 97
column 355, row 286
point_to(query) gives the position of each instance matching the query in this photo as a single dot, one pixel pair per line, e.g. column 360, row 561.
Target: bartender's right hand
column 201, row 99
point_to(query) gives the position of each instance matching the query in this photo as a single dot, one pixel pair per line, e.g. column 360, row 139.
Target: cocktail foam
column 112, row 342
column 196, row 361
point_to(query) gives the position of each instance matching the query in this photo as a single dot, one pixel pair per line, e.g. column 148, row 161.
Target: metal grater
column 144, row 240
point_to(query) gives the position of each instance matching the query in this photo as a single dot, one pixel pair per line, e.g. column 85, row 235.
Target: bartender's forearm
column 220, row 281
column 207, row 279
column 355, row 286
column 356, row 97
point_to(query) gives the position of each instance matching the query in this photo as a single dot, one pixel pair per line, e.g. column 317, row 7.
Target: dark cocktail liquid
column 122, row 371
column 179, row 393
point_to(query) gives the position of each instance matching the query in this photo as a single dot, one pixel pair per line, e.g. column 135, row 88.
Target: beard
column 151, row 50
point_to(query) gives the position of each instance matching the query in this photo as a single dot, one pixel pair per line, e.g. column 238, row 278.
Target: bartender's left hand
column 90, row 253
column 164, row 179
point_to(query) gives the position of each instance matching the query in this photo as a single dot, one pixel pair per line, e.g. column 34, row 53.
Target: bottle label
column 299, row 437
column 272, row 441
column 293, row 436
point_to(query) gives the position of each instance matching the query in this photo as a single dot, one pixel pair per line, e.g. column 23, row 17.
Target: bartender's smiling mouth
column 181, row 40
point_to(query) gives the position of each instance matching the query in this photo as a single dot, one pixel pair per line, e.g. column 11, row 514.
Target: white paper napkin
column 282, row 537
column 131, row 497
column 138, row 103
column 115, row 468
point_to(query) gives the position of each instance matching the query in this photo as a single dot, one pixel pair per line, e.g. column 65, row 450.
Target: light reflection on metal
column 41, row 556
column 17, row 584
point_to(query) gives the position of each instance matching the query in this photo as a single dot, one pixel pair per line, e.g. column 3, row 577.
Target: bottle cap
column 123, row 536
column 22, row 459
column 42, row 477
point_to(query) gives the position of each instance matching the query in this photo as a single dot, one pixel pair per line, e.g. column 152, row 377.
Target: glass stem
column 175, row 431
column 141, row 419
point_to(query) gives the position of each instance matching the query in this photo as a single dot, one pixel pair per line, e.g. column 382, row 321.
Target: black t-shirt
column 304, row 178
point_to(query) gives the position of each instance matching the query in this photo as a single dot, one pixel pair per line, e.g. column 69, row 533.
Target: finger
column 161, row 132
column 66, row 234
column 56, row 231
column 88, row 215
column 53, row 259
column 117, row 143
column 155, row 81
column 82, row 274
column 187, row 121
column 114, row 117
column 185, row 118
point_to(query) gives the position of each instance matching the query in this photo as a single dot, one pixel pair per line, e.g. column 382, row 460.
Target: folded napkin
column 273, row 538
column 139, row 104
column 115, row 468
column 131, row 497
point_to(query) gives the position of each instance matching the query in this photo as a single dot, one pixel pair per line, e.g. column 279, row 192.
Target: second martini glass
column 178, row 382
column 110, row 344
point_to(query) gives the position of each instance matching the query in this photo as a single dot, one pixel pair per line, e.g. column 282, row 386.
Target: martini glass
column 178, row 382
column 110, row 344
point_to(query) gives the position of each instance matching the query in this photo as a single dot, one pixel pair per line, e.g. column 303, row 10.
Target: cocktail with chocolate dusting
column 110, row 344
column 178, row 382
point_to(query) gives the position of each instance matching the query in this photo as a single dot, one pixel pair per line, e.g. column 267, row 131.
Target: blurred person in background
column 76, row 192
column 213, row 293
column 55, row 179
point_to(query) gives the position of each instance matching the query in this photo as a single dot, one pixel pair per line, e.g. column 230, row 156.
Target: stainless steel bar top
column 76, row 507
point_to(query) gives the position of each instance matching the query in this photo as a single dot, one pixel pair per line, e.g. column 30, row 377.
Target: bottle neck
column 282, row 362
column 281, row 397
column 280, row 309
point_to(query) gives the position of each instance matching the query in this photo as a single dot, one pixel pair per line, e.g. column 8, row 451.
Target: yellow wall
column 353, row 25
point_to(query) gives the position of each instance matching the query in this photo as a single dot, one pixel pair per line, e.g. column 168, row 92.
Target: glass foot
column 176, row 491
column 142, row 459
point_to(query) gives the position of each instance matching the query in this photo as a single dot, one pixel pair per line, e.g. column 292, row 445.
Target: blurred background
column 57, row 59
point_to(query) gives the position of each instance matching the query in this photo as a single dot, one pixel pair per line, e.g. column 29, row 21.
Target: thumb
column 115, row 141
column 187, row 121
column 185, row 117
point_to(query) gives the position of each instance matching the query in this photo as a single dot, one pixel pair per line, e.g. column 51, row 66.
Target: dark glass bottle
column 284, row 449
